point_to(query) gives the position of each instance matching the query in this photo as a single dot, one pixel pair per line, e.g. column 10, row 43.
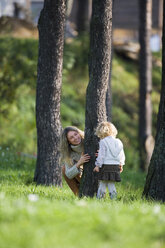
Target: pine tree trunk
column 155, row 181
column 145, row 61
column 51, row 39
column 109, row 92
column 109, row 100
column 99, row 67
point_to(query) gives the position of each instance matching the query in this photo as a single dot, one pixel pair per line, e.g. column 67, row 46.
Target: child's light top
column 110, row 152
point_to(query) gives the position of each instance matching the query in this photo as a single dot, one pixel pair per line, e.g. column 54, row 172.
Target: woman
column 72, row 156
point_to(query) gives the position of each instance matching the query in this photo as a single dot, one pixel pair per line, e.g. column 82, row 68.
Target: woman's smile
column 74, row 138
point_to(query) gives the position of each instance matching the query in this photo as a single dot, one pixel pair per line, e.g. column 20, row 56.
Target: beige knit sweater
column 70, row 168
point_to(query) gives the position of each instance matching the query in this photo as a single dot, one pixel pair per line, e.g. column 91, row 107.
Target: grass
column 44, row 217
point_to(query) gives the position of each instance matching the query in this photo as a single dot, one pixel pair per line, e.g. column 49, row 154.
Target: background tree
column 155, row 181
column 51, row 39
column 99, row 67
column 83, row 15
column 145, row 71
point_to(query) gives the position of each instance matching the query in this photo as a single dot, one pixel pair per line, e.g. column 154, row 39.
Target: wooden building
column 126, row 19
column 126, row 14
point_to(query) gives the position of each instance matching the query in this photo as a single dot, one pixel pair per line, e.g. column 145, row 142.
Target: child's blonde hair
column 105, row 129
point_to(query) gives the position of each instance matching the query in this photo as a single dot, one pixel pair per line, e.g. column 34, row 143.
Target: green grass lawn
column 47, row 217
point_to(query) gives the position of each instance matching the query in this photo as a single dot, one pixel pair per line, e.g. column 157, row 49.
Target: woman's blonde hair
column 65, row 147
column 105, row 129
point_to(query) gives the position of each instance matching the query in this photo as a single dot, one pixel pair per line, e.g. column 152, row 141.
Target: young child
column 110, row 160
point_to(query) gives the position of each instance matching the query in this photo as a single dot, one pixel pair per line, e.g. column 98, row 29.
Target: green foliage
column 18, row 63
column 75, row 79
column 18, row 75
column 39, row 216
column 19, row 128
column 18, row 66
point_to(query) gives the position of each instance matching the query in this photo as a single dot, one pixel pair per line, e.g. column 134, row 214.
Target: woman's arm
column 73, row 171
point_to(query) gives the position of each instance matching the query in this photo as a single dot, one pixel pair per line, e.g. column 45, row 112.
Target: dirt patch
column 10, row 26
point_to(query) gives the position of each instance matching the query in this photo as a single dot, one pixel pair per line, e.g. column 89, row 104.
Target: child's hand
column 96, row 169
column 96, row 154
column 121, row 168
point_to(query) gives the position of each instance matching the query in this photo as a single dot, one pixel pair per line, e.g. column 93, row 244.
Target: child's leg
column 101, row 190
column 112, row 190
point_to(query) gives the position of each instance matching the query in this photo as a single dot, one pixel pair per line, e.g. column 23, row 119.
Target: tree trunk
column 99, row 67
column 145, row 60
column 109, row 100
column 83, row 15
column 109, row 92
column 51, row 39
column 155, row 181
column 28, row 11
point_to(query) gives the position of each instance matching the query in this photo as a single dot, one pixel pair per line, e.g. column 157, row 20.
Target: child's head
column 105, row 129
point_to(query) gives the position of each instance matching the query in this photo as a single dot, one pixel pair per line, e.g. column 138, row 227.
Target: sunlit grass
column 40, row 216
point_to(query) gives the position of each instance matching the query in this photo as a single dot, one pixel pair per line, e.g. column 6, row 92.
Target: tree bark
column 109, row 92
column 145, row 106
column 51, row 39
column 109, row 100
column 99, row 67
column 155, row 181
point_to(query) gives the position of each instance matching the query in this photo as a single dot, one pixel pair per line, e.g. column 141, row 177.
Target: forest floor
column 125, row 42
column 10, row 26
column 18, row 28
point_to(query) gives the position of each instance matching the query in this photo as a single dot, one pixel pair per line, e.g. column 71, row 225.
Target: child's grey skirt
column 109, row 172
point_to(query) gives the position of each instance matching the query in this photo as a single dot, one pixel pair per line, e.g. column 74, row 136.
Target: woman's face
column 74, row 138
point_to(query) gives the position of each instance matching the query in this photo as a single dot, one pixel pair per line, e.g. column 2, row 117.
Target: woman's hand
column 121, row 168
column 96, row 169
column 83, row 159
